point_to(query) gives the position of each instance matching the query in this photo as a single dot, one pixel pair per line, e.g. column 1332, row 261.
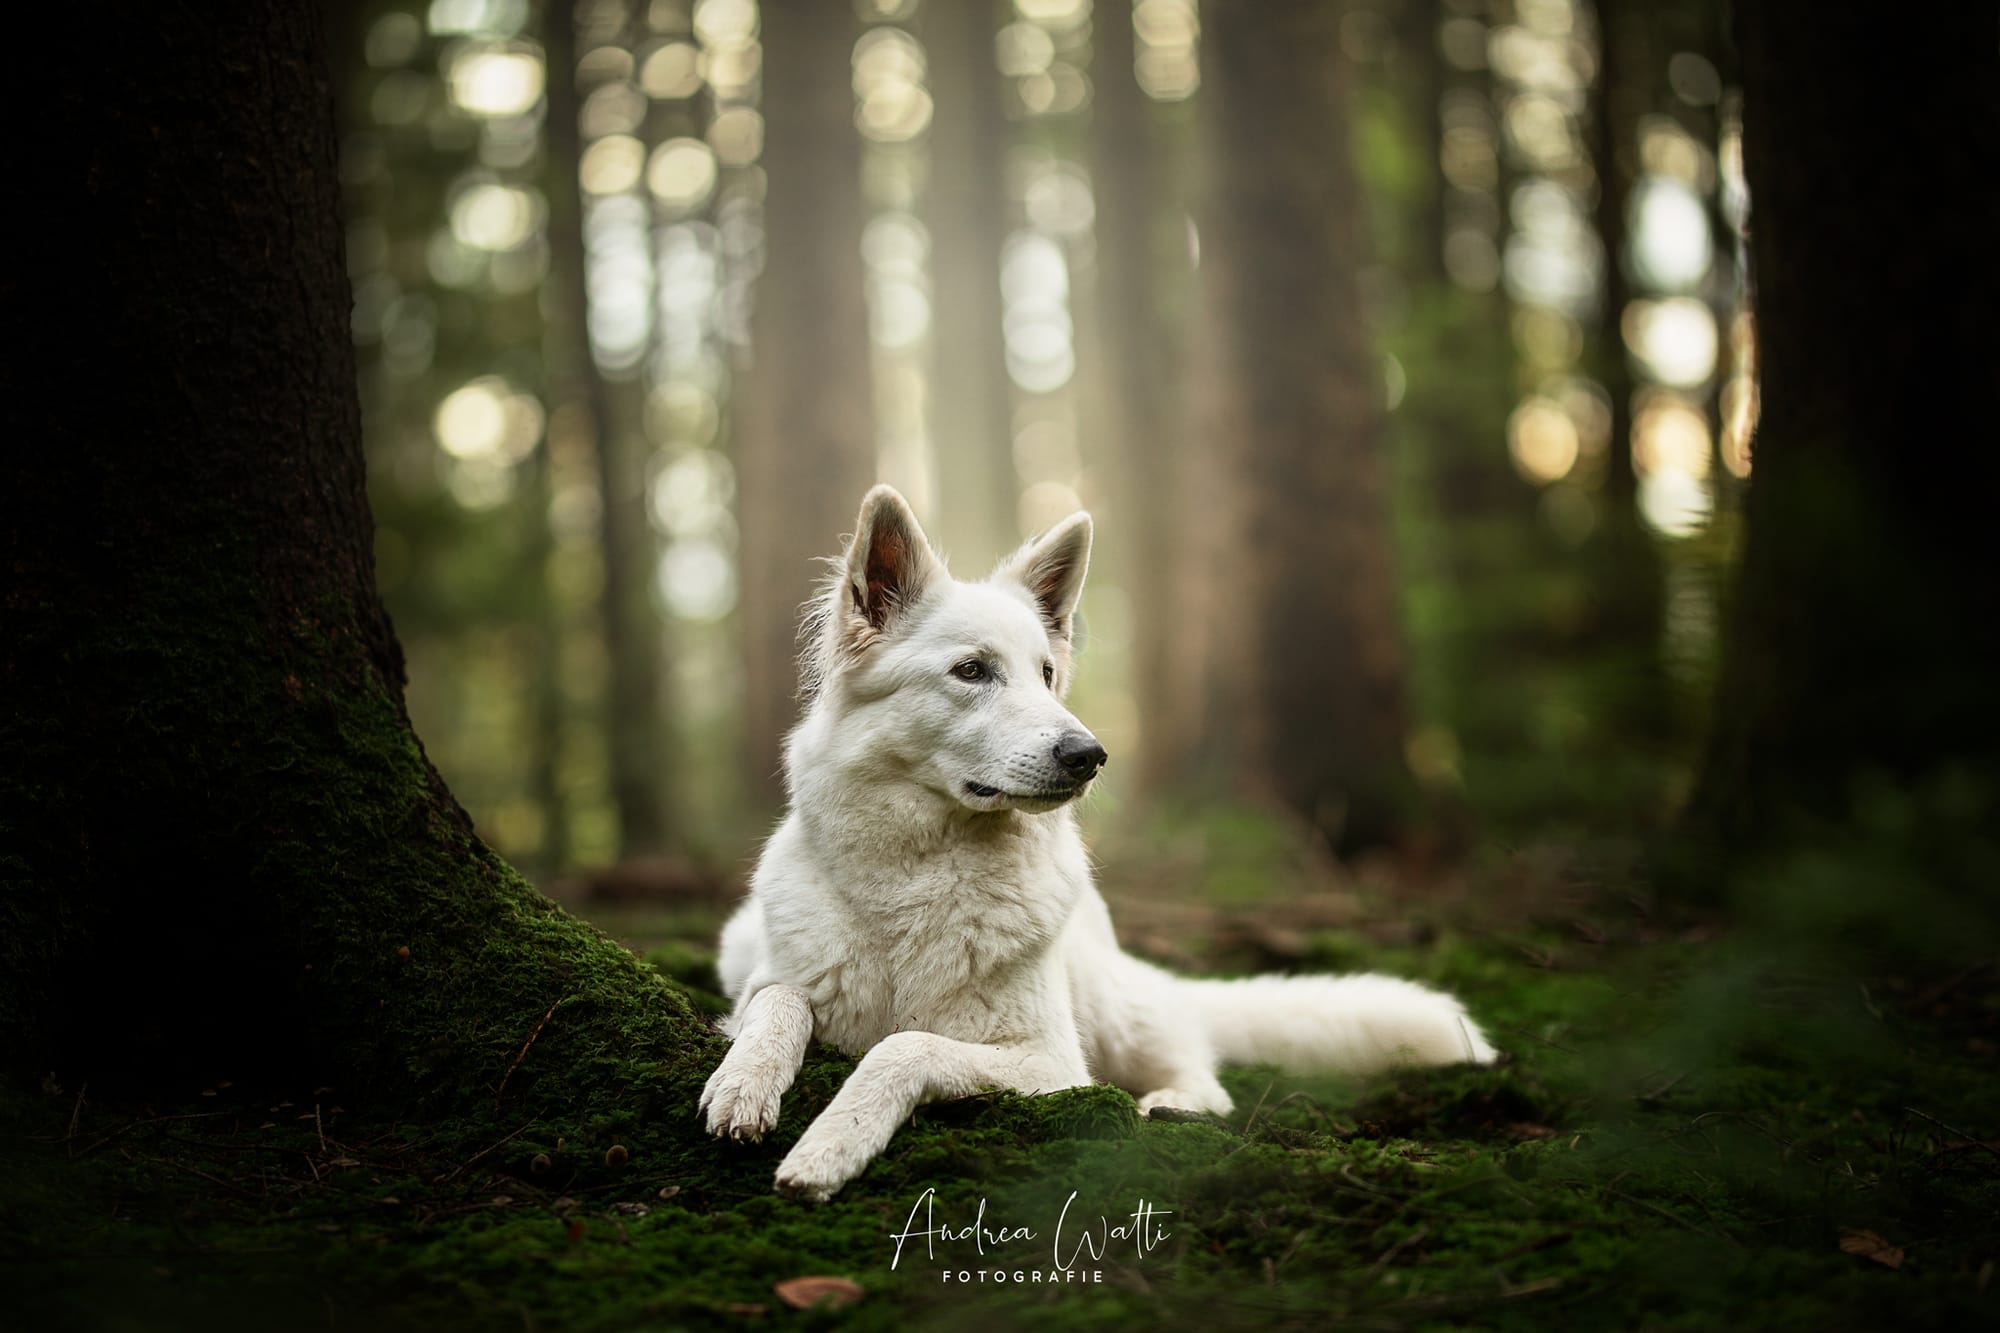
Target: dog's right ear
column 889, row 565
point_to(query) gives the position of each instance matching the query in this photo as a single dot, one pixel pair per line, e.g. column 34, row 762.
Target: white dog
column 927, row 906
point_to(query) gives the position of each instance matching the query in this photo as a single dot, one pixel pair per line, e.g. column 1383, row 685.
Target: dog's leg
column 903, row 1071
column 1145, row 1041
column 741, row 1099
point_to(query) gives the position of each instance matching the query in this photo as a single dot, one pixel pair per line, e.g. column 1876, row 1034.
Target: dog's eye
column 970, row 669
column 1049, row 674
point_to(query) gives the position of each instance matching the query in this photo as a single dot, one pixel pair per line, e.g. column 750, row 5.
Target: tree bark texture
column 1307, row 698
column 1862, row 634
column 222, row 851
column 806, row 453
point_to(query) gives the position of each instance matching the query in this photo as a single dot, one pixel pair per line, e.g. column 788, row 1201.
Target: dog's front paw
column 816, row 1171
column 740, row 1104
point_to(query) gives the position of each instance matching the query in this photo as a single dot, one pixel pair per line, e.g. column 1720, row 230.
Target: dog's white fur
column 927, row 905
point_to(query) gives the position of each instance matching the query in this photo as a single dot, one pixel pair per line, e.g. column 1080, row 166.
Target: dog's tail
column 1353, row 1024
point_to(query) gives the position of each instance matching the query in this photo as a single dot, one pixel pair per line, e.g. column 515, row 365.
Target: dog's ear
column 889, row 564
column 1051, row 568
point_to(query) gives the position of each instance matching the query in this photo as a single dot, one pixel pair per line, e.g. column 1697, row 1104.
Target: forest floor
column 1701, row 1122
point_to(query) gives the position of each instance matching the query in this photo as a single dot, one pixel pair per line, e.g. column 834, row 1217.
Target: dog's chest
column 960, row 945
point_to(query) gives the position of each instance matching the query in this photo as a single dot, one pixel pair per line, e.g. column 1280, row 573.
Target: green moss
column 1613, row 1174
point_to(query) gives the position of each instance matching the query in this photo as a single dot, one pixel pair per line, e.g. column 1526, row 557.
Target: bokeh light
column 496, row 79
column 682, row 174
column 1671, row 249
column 671, row 71
column 487, row 216
column 612, row 165
column 1542, row 440
column 488, row 421
column 1675, row 339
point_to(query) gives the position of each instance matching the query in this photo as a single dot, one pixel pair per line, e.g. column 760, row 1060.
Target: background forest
column 1531, row 558
column 1433, row 337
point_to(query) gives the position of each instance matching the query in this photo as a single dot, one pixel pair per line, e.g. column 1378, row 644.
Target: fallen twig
column 1925, row 999
column 485, row 1152
column 501, row 1090
column 1970, row 1140
column 69, row 1139
column 1388, row 1256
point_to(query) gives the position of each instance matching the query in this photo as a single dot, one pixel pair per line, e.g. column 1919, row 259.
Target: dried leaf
column 1868, row 1245
column 802, row 1293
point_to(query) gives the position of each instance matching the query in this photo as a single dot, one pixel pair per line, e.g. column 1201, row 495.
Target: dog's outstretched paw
column 739, row 1105
column 815, row 1174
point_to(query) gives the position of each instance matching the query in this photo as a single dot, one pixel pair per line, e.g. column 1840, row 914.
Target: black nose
column 1080, row 753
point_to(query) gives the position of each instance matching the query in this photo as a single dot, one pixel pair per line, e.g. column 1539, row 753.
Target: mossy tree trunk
column 222, row 851
column 1862, row 635
column 807, row 449
column 1310, row 705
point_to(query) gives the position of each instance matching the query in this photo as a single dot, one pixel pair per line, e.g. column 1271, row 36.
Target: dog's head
column 957, row 687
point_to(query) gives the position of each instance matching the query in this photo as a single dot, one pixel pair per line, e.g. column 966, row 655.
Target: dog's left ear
column 1051, row 568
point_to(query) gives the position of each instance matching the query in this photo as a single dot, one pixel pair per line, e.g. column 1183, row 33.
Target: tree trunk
column 1418, row 74
column 972, row 422
column 635, row 730
column 1309, row 704
column 1139, row 421
column 807, row 450
column 1862, row 636
column 1625, row 573
column 222, row 850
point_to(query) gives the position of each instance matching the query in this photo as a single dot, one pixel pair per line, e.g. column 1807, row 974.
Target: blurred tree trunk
column 1625, row 573
column 971, row 406
column 1306, row 699
column 633, row 724
column 807, row 451
column 1142, row 408
column 221, row 847
column 1862, row 636
column 1417, row 74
